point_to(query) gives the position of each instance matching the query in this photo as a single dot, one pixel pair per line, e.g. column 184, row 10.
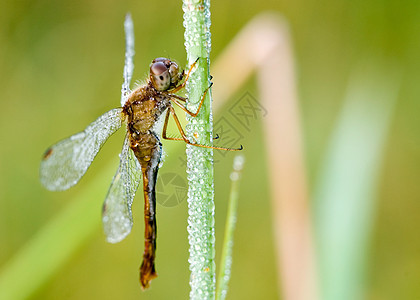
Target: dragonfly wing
column 66, row 162
column 116, row 214
column 129, row 53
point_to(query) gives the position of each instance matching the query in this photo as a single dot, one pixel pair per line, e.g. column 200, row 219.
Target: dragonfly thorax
column 143, row 109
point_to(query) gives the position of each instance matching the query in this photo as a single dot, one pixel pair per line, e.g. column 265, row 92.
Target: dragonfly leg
column 167, row 118
column 183, row 99
column 175, row 97
column 165, row 127
column 184, row 137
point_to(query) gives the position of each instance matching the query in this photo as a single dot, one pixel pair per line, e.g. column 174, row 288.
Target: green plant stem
column 200, row 160
column 226, row 260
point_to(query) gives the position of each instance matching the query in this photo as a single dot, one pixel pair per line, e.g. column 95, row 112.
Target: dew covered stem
column 200, row 160
column 226, row 259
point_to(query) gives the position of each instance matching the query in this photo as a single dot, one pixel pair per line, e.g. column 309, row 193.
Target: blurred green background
column 61, row 67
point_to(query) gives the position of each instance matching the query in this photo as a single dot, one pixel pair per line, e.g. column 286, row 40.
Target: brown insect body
column 142, row 110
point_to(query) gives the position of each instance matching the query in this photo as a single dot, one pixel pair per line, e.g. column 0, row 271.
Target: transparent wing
column 129, row 53
column 116, row 214
column 66, row 162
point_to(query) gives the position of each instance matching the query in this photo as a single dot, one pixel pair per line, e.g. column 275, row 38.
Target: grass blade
column 345, row 194
column 226, row 260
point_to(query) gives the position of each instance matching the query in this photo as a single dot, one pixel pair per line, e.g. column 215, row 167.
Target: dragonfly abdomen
column 147, row 149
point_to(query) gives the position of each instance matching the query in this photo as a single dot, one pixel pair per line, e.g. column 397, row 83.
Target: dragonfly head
column 164, row 74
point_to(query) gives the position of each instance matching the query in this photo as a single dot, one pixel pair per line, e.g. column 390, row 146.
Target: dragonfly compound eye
column 160, row 76
column 175, row 74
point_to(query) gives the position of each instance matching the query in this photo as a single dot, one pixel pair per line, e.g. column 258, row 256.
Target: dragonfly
column 64, row 163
